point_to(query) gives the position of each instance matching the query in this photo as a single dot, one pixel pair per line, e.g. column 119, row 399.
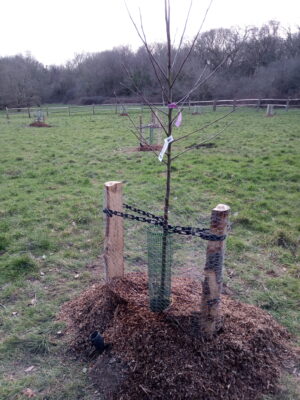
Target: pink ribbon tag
column 172, row 105
column 178, row 120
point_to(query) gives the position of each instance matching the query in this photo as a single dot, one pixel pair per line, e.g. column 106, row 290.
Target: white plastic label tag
column 168, row 140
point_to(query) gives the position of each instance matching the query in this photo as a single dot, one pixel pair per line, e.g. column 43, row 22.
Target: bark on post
column 213, row 272
column 114, row 231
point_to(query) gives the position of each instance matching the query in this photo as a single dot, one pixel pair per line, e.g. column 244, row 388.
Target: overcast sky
column 54, row 31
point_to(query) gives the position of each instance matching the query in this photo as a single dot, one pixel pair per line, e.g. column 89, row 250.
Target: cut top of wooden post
column 221, row 207
column 112, row 183
column 219, row 218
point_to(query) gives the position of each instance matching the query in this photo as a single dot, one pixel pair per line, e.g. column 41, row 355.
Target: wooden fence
column 118, row 108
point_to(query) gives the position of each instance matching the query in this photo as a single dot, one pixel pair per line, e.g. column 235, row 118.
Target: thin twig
column 203, row 141
column 195, row 86
column 148, row 50
column 199, row 83
column 192, row 45
column 146, row 391
column 145, row 43
column 153, row 60
column 139, row 92
column 151, row 106
column 183, row 33
column 203, row 127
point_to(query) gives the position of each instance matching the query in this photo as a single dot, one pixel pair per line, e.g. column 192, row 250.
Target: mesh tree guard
column 160, row 256
column 152, row 135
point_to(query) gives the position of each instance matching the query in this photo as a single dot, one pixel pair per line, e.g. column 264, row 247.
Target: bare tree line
column 256, row 62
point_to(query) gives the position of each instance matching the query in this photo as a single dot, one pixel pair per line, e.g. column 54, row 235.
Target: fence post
column 141, row 131
column 69, row 109
column 287, row 105
column 114, row 231
column 258, row 105
column 234, row 105
column 93, row 109
column 7, row 114
column 213, row 272
column 215, row 105
column 47, row 111
column 270, row 110
column 28, row 111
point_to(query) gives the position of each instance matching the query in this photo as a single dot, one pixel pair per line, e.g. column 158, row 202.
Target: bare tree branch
column 203, row 127
column 153, row 60
column 192, row 45
column 143, row 38
column 183, row 33
column 203, row 141
column 195, row 87
column 146, row 42
column 145, row 100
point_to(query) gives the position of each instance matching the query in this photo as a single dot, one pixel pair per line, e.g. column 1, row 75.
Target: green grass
column 51, row 224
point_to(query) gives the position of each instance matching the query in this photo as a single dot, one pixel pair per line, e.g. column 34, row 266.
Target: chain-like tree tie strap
column 203, row 233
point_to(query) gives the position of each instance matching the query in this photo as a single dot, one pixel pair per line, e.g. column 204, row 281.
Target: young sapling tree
column 167, row 75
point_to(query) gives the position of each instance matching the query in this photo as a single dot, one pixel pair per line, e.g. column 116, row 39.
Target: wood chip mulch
column 162, row 356
column 39, row 124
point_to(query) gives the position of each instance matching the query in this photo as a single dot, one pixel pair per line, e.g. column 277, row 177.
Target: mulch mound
column 40, row 124
column 162, row 356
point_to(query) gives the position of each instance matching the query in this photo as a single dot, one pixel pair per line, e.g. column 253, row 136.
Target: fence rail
column 123, row 108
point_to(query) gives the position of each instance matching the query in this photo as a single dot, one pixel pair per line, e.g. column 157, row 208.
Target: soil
column 150, row 147
column 40, row 124
column 163, row 355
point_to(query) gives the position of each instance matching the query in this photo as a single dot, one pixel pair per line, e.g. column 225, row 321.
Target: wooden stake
column 213, row 272
column 141, row 131
column 215, row 105
column 6, row 110
column 69, row 109
column 114, row 231
column 270, row 110
column 287, row 105
column 258, row 104
column 28, row 111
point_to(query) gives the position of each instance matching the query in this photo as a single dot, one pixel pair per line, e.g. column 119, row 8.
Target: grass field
column 51, row 225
